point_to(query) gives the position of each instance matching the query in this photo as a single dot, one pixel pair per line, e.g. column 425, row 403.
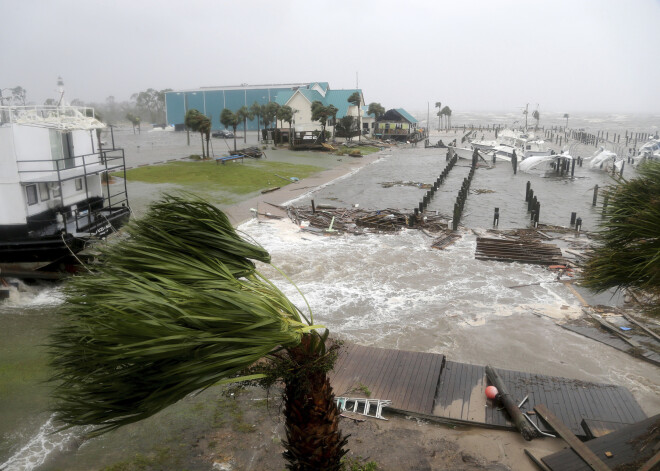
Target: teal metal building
column 210, row 101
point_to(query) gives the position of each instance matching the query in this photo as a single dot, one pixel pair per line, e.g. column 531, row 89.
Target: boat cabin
column 53, row 198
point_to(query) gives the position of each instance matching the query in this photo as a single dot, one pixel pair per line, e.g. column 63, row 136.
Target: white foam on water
column 385, row 283
column 46, row 441
column 28, row 296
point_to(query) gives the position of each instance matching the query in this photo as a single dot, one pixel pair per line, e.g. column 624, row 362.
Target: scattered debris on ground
column 420, row 185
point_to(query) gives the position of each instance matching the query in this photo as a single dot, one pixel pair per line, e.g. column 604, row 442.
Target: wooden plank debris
column 505, row 250
column 631, row 447
column 580, row 448
column 641, row 326
column 600, row 428
column 445, row 240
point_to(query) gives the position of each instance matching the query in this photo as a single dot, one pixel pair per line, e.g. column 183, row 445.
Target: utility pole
column 526, row 111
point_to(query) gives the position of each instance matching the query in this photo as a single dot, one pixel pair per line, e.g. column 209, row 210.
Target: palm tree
column 446, row 112
column 356, row 100
column 376, row 109
column 135, row 121
column 256, row 110
column 536, row 115
column 230, row 119
column 628, row 255
column 332, row 111
column 197, row 122
column 243, row 114
column 321, row 114
column 438, row 105
column 178, row 307
column 566, row 117
column 285, row 113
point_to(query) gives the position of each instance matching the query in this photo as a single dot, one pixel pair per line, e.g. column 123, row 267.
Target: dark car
column 224, row 133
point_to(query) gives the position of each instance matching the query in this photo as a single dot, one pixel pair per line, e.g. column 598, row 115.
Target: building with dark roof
column 396, row 124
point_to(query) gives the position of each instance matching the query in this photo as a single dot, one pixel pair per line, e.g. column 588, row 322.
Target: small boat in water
column 605, row 160
column 650, row 150
column 55, row 190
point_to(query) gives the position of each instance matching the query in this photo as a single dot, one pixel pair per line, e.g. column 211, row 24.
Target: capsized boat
column 547, row 165
column 650, row 150
column 605, row 160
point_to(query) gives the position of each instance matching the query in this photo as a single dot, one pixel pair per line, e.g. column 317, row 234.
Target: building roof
column 406, row 115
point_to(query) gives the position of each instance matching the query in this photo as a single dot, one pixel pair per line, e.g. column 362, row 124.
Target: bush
column 195, row 157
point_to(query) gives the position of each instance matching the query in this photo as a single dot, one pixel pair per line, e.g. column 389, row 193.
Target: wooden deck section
column 461, row 398
column 428, row 385
column 408, row 379
column 506, row 250
column 632, row 444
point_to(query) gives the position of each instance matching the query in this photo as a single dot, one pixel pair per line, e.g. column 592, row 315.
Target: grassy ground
column 235, row 177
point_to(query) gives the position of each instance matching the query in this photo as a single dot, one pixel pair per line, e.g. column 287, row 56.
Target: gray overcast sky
column 473, row 55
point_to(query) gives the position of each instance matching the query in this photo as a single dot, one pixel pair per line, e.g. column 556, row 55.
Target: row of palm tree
column 443, row 113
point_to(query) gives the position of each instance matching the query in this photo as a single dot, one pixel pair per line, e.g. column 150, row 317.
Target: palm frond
column 174, row 308
column 628, row 254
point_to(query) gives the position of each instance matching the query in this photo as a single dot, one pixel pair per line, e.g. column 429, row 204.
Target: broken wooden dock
column 430, row 386
column 633, row 445
column 507, row 250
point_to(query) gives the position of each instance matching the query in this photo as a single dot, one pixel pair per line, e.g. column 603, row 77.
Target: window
column 56, row 191
column 44, row 194
column 31, row 192
column 78, row 184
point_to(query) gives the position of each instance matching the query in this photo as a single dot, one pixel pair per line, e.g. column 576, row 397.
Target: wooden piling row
column 463, row 192
column 428, row 196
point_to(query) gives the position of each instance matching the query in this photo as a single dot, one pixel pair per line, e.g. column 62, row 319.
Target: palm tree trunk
column 245, row 131
column 234, row 139
column 201, row 135
column 313, row 440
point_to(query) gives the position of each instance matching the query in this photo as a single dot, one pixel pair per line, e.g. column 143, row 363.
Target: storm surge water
column 382, row 290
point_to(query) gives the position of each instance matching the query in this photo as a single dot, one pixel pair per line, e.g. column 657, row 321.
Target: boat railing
column 61, row 117
column 89, row 215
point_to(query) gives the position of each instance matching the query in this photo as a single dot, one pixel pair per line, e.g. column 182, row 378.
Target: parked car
column 224, row 133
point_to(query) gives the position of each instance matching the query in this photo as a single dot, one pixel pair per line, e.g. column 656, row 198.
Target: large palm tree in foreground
column 176, row 307
column 629, row 252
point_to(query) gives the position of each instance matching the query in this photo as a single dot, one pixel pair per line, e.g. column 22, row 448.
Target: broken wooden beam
column 517, row 416
column 574, row 442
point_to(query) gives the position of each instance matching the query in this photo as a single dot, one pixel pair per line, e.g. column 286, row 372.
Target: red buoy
column 491, row 392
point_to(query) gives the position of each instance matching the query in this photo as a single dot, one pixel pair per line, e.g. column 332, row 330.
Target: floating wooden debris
column 445, row 240
column 359, row 221
column 385, row 222
column 636, row 341
column 268, row 190
column 252, row 152
column 505, row 250
column 420, row 185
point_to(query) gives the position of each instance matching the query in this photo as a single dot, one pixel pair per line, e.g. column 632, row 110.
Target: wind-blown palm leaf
column 175, row 308
column 629, row 250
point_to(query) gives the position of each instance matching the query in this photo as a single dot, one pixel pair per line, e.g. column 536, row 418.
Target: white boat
column 52, row 197
column 605, row 160
column 547, row 165
column 650, row 150
column 525, row 144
